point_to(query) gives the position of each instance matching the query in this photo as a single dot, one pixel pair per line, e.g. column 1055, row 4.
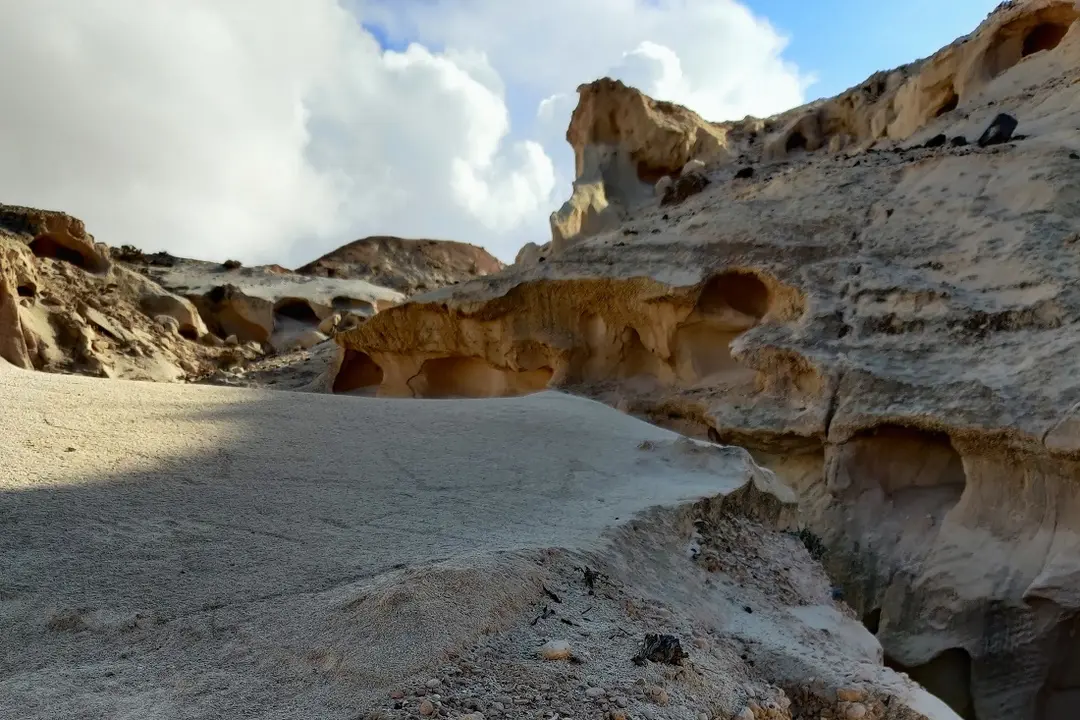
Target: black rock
column 999, row 131
column 959, row 141
column 1074, row 156
column 936, row 141
column 744, row 173
column 660, row 649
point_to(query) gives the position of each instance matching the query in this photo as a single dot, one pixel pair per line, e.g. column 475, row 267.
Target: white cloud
column 274, row 130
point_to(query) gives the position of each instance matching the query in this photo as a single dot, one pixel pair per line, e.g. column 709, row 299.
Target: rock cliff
column 876, row 294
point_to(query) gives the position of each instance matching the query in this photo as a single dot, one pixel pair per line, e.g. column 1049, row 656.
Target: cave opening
column 45, row 246
column 947, row 676
column 730, row 304
column 872, row 620
column 344, row 303
column 949, row 104
column 1044, row 36
column 26, row 290
column 188, row 331
column 795, row 141
column 297, row 309
column 357, row 372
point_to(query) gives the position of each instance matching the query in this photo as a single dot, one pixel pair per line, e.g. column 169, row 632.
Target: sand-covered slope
column 195, row 552
column 878, row 305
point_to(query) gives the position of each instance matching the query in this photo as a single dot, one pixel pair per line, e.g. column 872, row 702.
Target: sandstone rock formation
column 888, row 326
column 408, row 266
column 265, row 304
column 65, row 307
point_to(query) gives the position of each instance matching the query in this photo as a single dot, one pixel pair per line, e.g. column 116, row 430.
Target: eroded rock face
column 892, row 332
column 54, row 235
column 268, row 304
column 59, row 312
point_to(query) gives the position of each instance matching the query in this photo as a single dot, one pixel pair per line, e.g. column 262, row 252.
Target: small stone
column 473, row 716
column 433, row 683
column 595, row 692
column 745, row 714
column 703, row 716
column 427, row 708
column 397, row 695
column 855, row 711
column 657, row 694
column 556, row 650
column 850, row 695
column 621, row 701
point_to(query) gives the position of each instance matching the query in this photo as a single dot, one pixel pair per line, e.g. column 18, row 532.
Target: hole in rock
column 795, row 141
column 471, row 377
column 188, row 331
column 296, row 309
column 45, row 246
column 947, row 676
column 343, row 303
column 1029, row 34
column 357, row 372
column 729, row 305
column 909, row 465
column 1059, row 698
column 1044, row 36
column 949, row 104
column 26, row 290
column 872, row 621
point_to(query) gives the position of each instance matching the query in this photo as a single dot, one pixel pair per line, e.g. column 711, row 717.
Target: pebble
column 473, row 716
column 427, row 708
column 657, row 694
column 855, row 711
column 595, row 692
column 433, row 683
column 556, row 650
column 702, row 716
column 745, row 714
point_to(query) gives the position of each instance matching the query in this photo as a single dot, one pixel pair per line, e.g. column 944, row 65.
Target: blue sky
column 844, row 41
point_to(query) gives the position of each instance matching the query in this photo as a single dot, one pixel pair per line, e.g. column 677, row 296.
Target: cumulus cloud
column 275, row 130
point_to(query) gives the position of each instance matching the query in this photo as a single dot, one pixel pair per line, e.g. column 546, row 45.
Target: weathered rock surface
column 265, row 304
column 889, row 327
column 408, row 266
column 64, row 307
column 262, row 563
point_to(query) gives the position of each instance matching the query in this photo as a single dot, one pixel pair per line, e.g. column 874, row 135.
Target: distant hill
column 409, row 266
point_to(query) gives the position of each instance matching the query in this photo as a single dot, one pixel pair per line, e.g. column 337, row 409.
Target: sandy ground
column 175, row 551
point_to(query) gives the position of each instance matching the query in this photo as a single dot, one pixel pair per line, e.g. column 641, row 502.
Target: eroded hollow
column 1059, row 698
column 1044, row 36
column 472, row 377
column 357, row 372
column 795, row 141
column 948, row 104
column 296, row 309
column 729, row 305
column 343, row 303
column 47, row 246
column 907, row 463
column 1027, row 35
column 948, row 676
